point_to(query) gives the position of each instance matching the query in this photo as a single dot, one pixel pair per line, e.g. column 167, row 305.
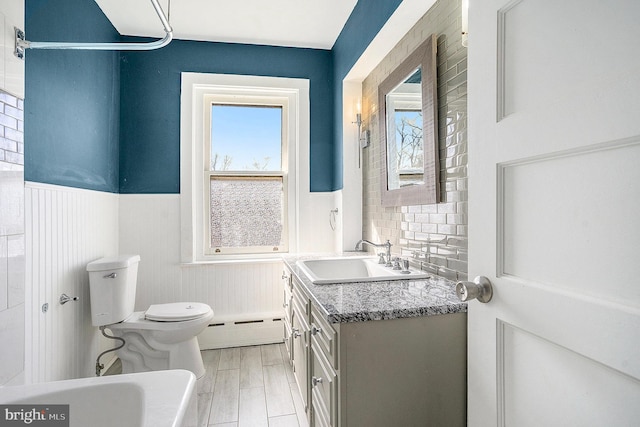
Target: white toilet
column 162, row 337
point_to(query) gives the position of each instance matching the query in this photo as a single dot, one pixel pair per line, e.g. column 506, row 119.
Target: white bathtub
column 150, row 399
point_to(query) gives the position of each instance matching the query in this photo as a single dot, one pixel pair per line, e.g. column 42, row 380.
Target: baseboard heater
column 237, row 331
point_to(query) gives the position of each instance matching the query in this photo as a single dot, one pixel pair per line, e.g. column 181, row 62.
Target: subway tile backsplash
column 11, row 129
column 433, row 237
column 12, row 244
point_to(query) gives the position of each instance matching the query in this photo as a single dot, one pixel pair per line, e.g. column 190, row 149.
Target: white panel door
column 554, row 211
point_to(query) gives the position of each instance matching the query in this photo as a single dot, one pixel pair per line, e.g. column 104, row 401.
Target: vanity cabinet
column 301, row 332
column 287, row 305
column 324, row 373
column 407, row 371
column 296, row 335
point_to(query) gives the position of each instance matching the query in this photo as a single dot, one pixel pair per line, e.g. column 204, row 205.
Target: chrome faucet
column 386, row 246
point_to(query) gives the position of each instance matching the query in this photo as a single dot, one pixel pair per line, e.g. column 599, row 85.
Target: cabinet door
column 300, row 332
column 288, row 340
column 324, row 389
column 287, row 306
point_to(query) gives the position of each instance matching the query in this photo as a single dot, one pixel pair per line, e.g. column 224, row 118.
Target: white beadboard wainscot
column 246, row 296
column 65, row 228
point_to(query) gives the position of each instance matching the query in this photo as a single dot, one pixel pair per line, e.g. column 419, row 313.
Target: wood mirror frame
column 429, row 192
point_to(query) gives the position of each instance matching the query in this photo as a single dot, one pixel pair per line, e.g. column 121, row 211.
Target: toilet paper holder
column 64, row 298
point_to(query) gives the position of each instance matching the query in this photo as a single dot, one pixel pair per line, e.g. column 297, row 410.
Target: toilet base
column 143, row 355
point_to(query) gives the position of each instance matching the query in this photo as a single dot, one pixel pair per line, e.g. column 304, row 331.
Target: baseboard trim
column 241, row 333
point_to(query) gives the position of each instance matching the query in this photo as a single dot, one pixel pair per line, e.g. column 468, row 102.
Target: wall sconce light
column 465, row 22
column 364, row 136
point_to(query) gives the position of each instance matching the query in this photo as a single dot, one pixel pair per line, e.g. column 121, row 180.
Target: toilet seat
column 176, row 312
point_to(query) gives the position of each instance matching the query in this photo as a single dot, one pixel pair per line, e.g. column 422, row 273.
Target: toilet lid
column 176, row 312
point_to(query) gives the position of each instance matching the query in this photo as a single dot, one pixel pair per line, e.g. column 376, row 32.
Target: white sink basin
column 344, row 270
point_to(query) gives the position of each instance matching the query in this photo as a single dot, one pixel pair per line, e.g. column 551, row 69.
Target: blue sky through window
column 249, row 136
column 409, row 139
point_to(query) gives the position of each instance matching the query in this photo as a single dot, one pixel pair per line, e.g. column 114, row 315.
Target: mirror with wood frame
column 409, row 130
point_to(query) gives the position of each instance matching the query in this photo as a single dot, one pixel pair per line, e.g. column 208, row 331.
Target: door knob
column 480, row 288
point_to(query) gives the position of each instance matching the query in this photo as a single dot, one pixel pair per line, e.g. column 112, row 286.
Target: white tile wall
column 12, row 269
column 11, row 68
column 434, row 237
column 4, row 273
column 13, row 349
column 15, row 269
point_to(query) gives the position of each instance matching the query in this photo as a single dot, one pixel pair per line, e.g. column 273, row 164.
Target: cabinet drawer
column 325, row 336
column 324, row 390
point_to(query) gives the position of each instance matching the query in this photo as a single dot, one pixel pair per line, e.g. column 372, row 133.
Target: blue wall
column 366, row 20
column 72, row 98
column 110, row 121
column 150, row 105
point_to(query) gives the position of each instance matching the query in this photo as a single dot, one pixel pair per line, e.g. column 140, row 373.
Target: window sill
column 236, row 259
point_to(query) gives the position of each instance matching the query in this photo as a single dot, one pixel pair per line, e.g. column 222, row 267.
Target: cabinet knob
column 315, row 330
column 315, row 381
column 296, row 332
column 285, row 276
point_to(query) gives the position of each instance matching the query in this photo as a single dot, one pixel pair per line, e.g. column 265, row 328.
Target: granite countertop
column 393, row 299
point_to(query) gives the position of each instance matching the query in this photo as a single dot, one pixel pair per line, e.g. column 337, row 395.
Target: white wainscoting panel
column 314, row 231
column 66, row 228
column 150, row 227
column 246, row 296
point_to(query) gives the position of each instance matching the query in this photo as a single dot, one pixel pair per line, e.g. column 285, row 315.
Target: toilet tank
column 112, row 288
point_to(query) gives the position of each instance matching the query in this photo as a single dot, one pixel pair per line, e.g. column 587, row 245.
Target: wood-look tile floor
column 246, row 387
column 249, row 386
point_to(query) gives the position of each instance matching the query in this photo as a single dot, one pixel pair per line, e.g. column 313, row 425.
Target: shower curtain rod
column 22, row 44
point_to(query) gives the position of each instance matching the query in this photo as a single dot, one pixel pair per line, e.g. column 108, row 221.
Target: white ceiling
column 296, row 23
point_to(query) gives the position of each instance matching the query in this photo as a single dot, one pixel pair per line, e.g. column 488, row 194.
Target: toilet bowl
column 162, row 337
column 167, row 342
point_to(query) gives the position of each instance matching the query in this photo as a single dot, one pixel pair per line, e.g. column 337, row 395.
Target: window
column 240, row 138
column 247, row 197
column 405, row 162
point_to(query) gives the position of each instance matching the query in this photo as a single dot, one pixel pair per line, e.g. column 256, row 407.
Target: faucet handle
column 381, row 260
column 396, row 264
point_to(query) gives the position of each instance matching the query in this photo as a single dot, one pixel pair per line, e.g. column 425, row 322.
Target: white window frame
column 255, row 101
column 198, row 90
